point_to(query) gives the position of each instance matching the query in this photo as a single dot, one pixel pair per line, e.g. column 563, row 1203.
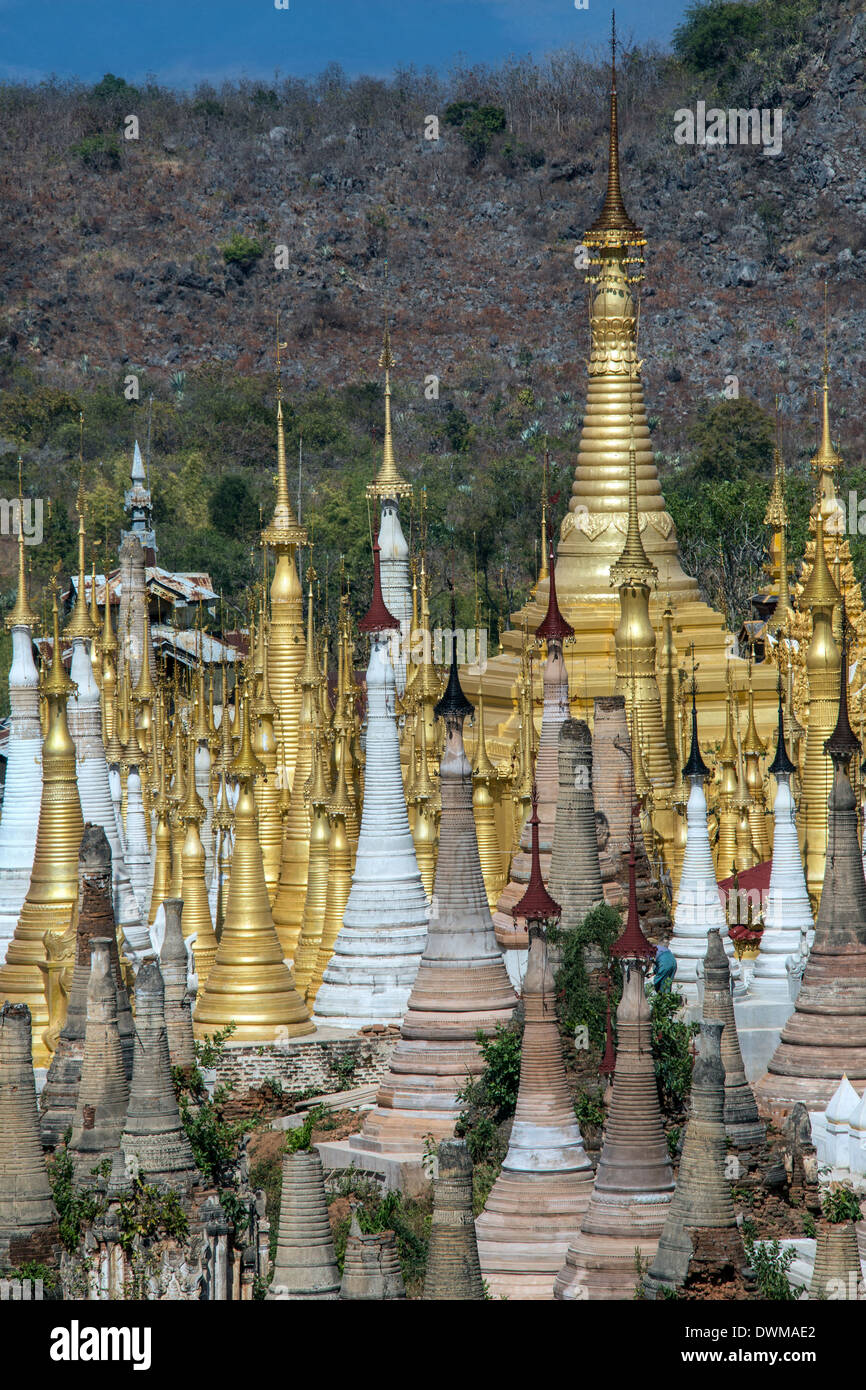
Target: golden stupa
column 53, row 892
column 249, row 983
column 594, row 535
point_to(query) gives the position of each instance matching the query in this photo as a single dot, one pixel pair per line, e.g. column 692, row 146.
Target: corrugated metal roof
column 188, row 643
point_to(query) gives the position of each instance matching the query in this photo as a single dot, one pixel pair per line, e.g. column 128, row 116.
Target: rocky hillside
column 156, row 255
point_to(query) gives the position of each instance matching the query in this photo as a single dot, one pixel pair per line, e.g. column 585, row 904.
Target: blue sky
column 183, row 43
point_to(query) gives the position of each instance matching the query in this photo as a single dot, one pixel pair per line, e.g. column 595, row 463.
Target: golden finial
column 22, row 615
column 613, row 226
column 284, row 529
column 56, row 684
column 388, row 482
column 80, row 625
column 633, row 565
column 483, row 769
column 145, row 689
column 819, row 591
column 245, row 765
column 192, row 807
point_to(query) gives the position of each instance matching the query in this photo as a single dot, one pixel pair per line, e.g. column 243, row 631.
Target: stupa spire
column 613, row 220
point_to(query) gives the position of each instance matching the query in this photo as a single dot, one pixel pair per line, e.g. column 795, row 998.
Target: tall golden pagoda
column 753, row 751
column 288, row 905
column 53, row 891
column 283, row 536
column 249, row 983
column 823, row 665
column 593, row 532
column 313, row 925
column 161, row 842
column 196, row 916
column 267, row 788
column 484, row 781
column 339, row 868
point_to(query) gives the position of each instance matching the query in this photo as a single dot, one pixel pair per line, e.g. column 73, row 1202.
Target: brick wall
column 303, row 1066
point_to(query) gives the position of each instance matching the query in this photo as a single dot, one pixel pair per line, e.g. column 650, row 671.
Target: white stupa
column 138, row 860
column 699, row 906
column 380, row 943
column 23, row 790
column 94, row 789
column 388, row 488
column 789, row 927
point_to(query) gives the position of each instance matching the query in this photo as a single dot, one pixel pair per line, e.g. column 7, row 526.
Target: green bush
column 232, row 507
column 98, row 152
column 840, row 1204
column 491, row 1099
column 577, row 1002
column 242, row 250
column 671, row 1045
column 770, row 1264
column 477, row 124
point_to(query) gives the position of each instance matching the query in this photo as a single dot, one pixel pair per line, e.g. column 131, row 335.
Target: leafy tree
column 732, row 438
column 232, row 507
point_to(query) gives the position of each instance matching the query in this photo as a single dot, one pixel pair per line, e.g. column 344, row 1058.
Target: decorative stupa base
column 759, row 1027
column 394, row 1171
column 614, row 1247
column 370, row 976
column 696, row 1253
column 21, row 980
column 372, row 1267
column 777, row 1095
column 525, row 1229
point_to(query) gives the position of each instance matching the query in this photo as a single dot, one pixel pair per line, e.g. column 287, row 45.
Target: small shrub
column 671, row 1045
column 589, row 1110
column 577, row 1001
column 242, row 251
column 300, row 1140
column 98, row 152
column 840, row 1204
column 770, row 1264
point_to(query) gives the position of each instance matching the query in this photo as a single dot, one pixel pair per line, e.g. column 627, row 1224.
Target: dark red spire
column 377, row 618
column 536, row 905
column 632, row 943
column 554, row 625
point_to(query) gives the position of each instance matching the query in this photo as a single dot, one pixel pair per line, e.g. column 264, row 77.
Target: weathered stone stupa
column 23, row 784
column 537, row 1202
column 575, row 875
column 378, row 949
column 742, row 1125
column 613, row 791
column 173, row 963
column 154, row 1141
column 826, row 1034
column 634, row 1181
column 28, row 1221
column 371, row 1269
column 453, row 1269
column 305, row 1265
column 511, row 933
column 462, row 985
column 103, row 1093
column 701, row 1238
column 95, row 921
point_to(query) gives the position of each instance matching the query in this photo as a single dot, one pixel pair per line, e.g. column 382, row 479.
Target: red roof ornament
column 536, row 905
column 632, row 944
column 554, row 627
column 377, row 618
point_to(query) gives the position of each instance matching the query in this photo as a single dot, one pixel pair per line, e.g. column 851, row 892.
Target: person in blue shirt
column 664, row 968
